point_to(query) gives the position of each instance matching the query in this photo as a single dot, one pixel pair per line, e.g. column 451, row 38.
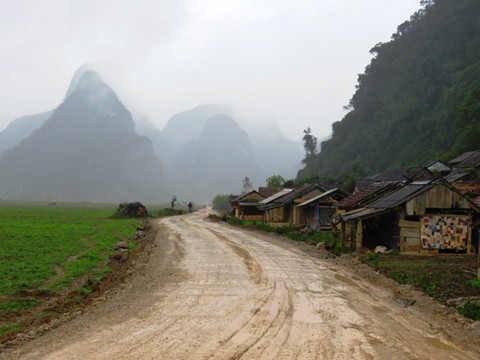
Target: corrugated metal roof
column 452, row 177
column 275, row 196
column 471, row 161
column 325, row 194
column 291, row 196
column 362, row 213
column 267, row 192
column 467, row 187
column 402, row 195
column 438, row 166
column 462, row 157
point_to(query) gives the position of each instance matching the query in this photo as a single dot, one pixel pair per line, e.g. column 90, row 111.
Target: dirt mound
column 135, row 209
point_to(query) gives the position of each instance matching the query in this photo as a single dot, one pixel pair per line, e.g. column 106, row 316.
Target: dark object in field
column 135, row 209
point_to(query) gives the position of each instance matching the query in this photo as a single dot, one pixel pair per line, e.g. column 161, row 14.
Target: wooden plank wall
column 409, row 236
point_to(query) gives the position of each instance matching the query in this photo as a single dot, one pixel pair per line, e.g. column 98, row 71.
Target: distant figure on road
column 190, row 206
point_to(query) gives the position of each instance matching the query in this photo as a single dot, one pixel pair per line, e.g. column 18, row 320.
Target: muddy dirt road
column 213, row 291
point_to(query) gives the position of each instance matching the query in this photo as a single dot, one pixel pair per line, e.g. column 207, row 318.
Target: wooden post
column 359, row 236
column 402, row 243
column 469, row 240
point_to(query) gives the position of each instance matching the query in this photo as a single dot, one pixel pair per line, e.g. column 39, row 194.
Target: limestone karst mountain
column 207, row 150
column 86, row 150
column 214, row 162
column 21, row 128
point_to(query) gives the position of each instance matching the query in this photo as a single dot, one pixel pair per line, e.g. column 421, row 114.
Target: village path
column 212, row 291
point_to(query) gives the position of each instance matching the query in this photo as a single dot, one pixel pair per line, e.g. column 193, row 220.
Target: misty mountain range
column 91, row 149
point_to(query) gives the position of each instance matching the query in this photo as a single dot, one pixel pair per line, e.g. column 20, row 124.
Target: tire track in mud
column 367, row 329
column 288, row 267
column 290, row 288
column 211, row 291
column 252, row 265
column 305, row 291
column 270, row 316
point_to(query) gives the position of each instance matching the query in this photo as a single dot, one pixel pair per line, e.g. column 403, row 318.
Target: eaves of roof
column 318, row 197
column 402, row 195
column 275, row 196
column 363, row 213
column 369, row 194
column 291, row 196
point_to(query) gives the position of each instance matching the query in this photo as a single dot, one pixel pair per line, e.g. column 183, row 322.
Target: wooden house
column 280, row 210
column 467, row 160
column 422, row 216
column 319, row 210
column 245, row 207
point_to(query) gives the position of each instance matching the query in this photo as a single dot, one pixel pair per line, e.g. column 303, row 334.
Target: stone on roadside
column 121, row 255
column 121, row 245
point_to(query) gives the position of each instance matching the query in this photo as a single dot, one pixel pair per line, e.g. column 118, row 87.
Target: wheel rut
column 211, row 291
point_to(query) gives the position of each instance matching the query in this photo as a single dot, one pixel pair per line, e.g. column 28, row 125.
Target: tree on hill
column 408, row 102
column 310, row 143
column 467, row 124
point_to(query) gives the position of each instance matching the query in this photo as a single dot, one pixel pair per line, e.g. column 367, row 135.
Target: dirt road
column 213, row 291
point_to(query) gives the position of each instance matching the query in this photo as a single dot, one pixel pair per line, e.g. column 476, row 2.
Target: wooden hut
column 319, row 210
column 422, row 216
column 245, row 207
column 280, row 210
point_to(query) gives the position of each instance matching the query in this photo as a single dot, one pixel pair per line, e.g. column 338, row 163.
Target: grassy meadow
column 44, row 249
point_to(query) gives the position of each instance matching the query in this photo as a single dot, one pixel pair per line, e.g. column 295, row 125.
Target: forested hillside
column 418, row 99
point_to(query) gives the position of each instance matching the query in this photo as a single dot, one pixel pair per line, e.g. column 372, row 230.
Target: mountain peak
column 87, row 149
column 77, row 76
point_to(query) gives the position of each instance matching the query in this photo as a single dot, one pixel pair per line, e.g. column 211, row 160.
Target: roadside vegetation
column 310, row 237
column 53, row 255
column 46, row 251
column 450, row 279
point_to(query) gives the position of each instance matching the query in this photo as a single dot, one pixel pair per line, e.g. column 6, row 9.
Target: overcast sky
column 292, row 61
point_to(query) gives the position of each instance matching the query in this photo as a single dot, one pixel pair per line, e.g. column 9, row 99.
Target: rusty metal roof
column 367, row 195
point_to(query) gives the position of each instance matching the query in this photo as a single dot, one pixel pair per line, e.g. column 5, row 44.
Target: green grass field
column 43, row 249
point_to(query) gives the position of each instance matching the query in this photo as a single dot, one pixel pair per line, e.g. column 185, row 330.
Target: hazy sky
column 292, row 61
